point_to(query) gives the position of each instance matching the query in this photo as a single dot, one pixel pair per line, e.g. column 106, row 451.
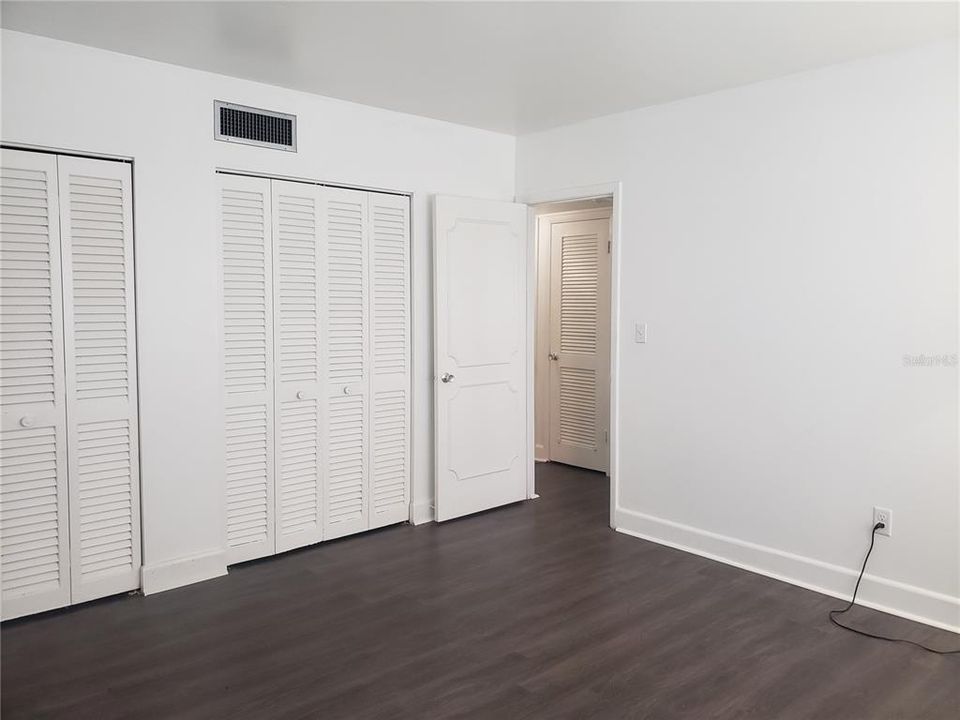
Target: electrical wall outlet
column 885, row 516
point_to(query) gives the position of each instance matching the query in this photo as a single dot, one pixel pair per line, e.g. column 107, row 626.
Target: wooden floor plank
column 536, row 610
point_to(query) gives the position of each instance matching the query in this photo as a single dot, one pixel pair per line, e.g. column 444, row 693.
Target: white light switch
column 641, row 333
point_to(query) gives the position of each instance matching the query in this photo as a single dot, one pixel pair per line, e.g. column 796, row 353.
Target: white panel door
column 390, row 379
column 96, row 226
column 298, row 228
column 347, row 362
column 244, row 228
column 483, row 449
column 33, row 454
column 580, row 343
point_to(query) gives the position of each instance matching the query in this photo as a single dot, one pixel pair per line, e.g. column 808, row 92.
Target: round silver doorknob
column 446, row 377
column 27, row 421
column 300, row 395
column 346, row 390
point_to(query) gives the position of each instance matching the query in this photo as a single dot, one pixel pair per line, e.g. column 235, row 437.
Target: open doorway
column 572, row 367
column 486, row 278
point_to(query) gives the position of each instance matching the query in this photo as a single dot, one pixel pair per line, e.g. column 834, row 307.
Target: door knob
column 553, row 356
column 27, row 421
column 346, row 389
column 300, row 395
column 446, row 377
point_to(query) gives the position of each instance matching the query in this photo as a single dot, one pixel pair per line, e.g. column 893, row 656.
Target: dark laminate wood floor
column 537, row 610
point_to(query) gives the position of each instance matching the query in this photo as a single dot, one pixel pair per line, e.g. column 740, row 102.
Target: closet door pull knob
column 301, row 395
column 346, row 389
column 27, row 421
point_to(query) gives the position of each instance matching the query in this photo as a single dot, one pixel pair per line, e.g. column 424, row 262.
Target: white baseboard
column 890, row 596
column 422, row 513
column 183, row 571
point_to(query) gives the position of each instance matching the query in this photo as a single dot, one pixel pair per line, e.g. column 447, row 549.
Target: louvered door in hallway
column 69, row 460
column 579, row 361
column 316, row 362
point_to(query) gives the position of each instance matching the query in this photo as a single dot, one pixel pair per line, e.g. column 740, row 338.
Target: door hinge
column 606, row 437
column 609, row 243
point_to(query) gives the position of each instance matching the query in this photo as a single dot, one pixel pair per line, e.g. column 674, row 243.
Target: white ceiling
column 512, row 67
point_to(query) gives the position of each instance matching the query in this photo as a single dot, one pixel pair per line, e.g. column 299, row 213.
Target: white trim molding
column 421, row 513
column 157, row 577
column 889, row 596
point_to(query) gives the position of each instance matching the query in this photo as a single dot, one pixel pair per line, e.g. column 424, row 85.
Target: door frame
column 545, row 316
column 613, row 190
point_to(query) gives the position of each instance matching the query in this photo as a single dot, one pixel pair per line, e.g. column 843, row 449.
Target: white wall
column 66, row 96
column 788, row 243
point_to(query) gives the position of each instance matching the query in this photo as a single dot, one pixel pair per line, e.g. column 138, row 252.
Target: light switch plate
column 641, row 336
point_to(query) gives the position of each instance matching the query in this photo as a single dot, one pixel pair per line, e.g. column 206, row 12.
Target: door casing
column 613, row 190
column 545, row 317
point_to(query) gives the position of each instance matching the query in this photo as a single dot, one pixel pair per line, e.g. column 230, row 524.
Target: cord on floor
column 835, row 613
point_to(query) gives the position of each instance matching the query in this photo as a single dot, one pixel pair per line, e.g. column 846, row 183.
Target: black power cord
column 834, row 613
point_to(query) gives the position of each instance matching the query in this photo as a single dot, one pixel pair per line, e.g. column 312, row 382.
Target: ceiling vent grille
column 253, row 126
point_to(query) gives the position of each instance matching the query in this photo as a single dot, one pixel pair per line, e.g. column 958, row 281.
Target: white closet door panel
column 96, row 225
column 34, row 526
column 244, row 230
column 347, row 359
column 346, row 466
column 298, row 226
column 347, row 287
column 390, row 379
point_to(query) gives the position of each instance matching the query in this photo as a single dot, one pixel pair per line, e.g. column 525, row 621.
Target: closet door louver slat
column 244, row 228
column 101, row 378
column 347, row 351
column 298, row 227
column 34, row 528
column 390, row 378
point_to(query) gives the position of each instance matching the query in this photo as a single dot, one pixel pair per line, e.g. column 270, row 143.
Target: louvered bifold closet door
column 346, row 355
column 298, row 227
column 244, row 231
column 96, row 225
column 390, row 377
column 34, row 545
